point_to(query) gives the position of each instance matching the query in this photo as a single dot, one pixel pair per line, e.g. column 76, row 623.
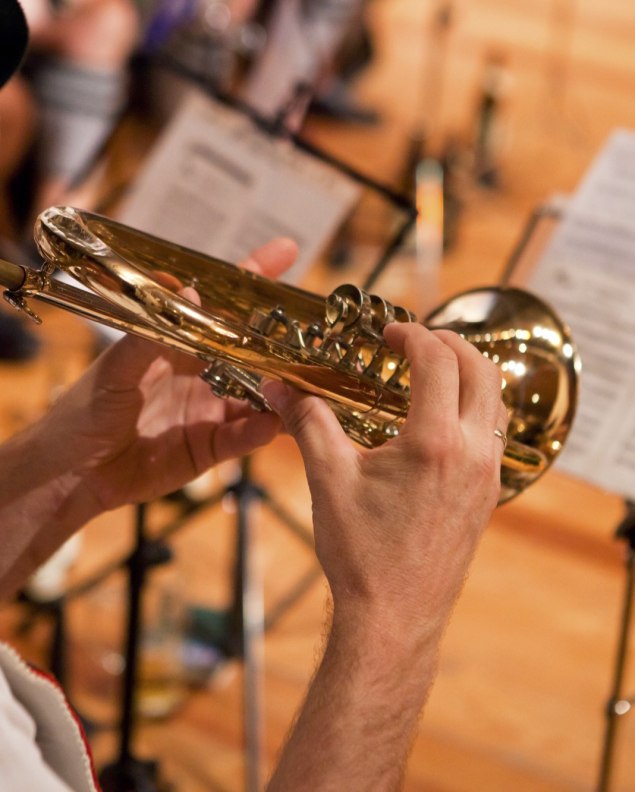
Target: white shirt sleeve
column 42, row 746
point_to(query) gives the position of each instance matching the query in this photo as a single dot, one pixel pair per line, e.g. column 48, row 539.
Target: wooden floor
column 527, row 662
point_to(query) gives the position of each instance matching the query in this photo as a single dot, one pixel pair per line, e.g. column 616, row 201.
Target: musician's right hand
column 395, row 530
column 396, row 526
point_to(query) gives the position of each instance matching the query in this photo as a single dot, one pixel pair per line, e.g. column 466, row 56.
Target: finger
column 190, row 293
column 502, row 424
column 242, row 436
column 167, row 279
column 133, row 354
column 272, row 259
column 123, row 364
column 434, row 375
column 480, row 381
column 313, row 425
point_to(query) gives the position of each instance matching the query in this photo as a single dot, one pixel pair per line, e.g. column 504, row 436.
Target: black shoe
column 17, row 344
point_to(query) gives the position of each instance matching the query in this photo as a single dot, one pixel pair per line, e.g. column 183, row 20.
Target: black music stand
column 128, row 773
column 285, row 125
column 243, row 626
column 533, row 238
column 619, row 703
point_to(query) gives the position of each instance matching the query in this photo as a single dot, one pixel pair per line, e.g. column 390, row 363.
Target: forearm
column 42, row 503
column 358, row 722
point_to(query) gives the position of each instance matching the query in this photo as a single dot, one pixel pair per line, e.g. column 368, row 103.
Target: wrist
column 386, row 634
column 398, row 665
column 51, row 464
column 411, row 613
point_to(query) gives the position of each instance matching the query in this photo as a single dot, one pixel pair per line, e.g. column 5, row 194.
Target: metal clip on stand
column 620, row 704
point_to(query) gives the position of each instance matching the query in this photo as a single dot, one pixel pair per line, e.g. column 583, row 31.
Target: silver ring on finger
column 502, row 436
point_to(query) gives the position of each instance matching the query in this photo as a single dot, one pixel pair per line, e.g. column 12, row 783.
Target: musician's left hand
column 141, row 423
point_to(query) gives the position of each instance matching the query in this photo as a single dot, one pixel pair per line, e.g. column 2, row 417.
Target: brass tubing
column 259, row 328
column 12, row 276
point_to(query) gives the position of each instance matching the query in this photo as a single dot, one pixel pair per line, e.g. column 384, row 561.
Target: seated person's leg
column 81, row 87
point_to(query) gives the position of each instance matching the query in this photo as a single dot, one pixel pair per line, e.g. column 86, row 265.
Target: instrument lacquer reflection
column 248, row 327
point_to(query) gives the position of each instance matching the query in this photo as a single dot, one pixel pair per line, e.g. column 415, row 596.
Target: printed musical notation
column 216, row 183
column 587, row 272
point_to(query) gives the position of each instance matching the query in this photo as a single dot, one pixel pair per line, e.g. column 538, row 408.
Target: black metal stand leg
column 252, row 638
column 246, row 626
column 241, row 638
column 247, row 622
column 127, row 773
column 618, row 704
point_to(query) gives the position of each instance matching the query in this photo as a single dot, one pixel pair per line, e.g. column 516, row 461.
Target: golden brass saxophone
column 248, row 327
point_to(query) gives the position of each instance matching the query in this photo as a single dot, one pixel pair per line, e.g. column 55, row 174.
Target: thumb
column 310, row 421
column 125, row 362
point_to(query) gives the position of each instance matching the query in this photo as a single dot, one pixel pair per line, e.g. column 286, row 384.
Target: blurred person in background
column 77, row 69
column 300, row 58
column 55, row 115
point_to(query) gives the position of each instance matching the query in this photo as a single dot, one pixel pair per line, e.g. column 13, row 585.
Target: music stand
column 619, row 703
column 533, row 239
column 129, row 772
column 243, row 624
column 284, row 126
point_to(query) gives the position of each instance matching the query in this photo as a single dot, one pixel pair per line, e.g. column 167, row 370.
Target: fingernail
column 276, row 393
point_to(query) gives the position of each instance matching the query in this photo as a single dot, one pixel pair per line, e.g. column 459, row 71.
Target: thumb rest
column 248, row 327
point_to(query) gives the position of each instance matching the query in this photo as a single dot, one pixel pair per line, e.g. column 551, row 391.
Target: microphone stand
column 620, row 704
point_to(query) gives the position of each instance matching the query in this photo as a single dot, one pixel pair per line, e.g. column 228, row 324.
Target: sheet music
column 217, row 184
column 587, row 273
column 607, row 192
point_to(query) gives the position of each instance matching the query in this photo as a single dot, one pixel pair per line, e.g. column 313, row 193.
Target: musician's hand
column 396, row 526
column 395, row 529
column 141, row 423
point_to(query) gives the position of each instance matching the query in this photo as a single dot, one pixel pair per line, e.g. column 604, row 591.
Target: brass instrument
column 248, row 327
